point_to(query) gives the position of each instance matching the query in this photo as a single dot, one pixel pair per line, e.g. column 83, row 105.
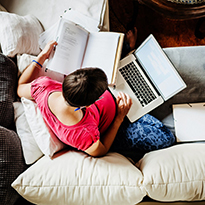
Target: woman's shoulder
column 43, row 86
column 45, row 83
column 45, row 79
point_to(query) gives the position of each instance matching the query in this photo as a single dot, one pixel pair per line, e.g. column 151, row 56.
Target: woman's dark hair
column 84, row 86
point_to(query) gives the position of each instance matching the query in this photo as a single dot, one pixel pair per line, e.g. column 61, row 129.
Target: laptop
column 148, row 77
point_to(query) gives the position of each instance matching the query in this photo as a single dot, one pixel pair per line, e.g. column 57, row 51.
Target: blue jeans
column 144, row 135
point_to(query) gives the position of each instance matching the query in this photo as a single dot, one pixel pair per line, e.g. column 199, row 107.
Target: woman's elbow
column 24, row 90
column 97, row 150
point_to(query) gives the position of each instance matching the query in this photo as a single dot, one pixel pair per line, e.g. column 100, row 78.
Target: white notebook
column 189, row 120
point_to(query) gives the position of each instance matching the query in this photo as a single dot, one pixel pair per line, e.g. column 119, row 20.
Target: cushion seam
column 169, row 183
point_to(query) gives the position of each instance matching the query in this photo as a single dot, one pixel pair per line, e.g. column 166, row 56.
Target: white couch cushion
column 73, row 177
column 176, row 173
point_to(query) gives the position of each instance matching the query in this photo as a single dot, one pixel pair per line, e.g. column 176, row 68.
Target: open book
column 79, row 48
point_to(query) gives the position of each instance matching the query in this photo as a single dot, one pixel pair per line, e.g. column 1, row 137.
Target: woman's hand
column 45, row 53
column 124, row 102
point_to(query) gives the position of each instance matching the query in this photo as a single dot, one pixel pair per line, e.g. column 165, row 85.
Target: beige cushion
column 176, row 173
column 75, row 178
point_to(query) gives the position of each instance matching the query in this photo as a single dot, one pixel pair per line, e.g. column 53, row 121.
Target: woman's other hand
column 124, row 102
column 101, row 147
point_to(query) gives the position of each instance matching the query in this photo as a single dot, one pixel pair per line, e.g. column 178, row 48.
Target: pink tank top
column 96, row 120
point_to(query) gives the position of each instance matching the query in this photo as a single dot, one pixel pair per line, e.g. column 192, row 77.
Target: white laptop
column 148, row 77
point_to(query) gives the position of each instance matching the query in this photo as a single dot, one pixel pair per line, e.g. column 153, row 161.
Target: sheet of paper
column 101, row 52
column 48, row 35
column 189, row 120
column 84, row 21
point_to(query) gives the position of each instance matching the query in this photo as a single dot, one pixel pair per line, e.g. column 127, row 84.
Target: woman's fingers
column 124, row 102
column 124, row 99
column 48, row 48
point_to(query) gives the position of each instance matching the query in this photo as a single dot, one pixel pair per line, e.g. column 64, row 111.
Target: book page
column 69, row 52
column 101, row 52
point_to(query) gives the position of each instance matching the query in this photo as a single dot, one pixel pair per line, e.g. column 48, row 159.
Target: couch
column 44, row 171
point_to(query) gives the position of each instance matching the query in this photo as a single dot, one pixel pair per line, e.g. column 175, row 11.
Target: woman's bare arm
column 30, row 73
column 102, row 146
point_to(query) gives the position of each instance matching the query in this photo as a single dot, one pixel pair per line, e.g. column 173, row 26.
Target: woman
column 81, row 111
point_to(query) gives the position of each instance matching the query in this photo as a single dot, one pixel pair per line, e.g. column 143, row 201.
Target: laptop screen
column 159, row 68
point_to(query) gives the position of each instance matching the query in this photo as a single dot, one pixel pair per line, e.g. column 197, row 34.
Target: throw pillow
column 19, row 34
column 176, row 173
column 75, row 178
column 11, row 165
column 46, row 140
column 8, row 80
column 30, row 148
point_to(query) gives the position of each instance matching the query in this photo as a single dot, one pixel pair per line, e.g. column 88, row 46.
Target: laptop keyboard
column 137, row 83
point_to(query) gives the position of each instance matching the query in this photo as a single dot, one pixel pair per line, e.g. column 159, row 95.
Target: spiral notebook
column 189, row 120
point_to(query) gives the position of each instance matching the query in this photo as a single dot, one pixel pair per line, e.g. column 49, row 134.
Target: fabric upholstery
column 11, row 159
column 11, row 165
column 8, row 80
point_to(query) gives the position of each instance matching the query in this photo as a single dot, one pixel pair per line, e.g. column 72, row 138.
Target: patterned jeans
column 144, row 135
